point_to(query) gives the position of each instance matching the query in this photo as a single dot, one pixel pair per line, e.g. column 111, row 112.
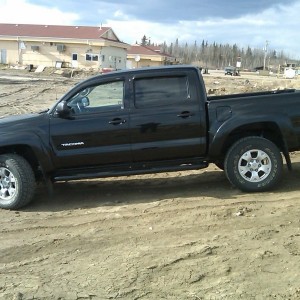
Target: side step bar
column 98, row 173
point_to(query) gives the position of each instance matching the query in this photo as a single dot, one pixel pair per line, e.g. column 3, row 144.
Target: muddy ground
column 184, row 235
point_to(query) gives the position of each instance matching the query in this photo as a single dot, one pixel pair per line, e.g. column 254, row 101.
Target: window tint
column 107, row 96
column 161, row 91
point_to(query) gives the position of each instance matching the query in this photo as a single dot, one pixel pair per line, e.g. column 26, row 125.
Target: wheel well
column 24, row 151
column 267, row 130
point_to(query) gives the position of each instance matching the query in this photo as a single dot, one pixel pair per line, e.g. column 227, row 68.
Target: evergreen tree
column 221, row 55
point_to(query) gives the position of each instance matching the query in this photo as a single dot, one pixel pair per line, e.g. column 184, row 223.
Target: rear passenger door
column 166, row 119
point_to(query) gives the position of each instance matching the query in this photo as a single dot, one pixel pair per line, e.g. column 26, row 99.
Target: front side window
column 103, row 97
column 160, row 91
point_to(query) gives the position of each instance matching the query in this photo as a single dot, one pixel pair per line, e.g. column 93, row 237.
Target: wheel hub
column 254, row 165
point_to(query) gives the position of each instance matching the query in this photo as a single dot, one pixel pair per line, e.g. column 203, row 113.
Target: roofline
column 146, row 55
column 109, row 28
column 104, row 28
column 154, row 52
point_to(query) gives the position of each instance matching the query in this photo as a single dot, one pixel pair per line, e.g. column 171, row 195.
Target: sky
column 242, row 22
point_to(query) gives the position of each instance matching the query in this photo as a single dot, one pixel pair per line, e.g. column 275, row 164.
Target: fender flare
column 219, row 134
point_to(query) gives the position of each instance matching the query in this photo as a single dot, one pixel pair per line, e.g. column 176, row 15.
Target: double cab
column 145, row 121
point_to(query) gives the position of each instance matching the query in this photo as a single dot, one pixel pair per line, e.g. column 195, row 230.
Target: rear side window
column 161, row 91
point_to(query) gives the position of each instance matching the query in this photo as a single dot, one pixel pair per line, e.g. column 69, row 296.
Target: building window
column 95, row 57
column 74, row 56
column 91, row 57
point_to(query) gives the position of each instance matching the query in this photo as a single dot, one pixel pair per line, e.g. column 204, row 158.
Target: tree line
column 218, row 56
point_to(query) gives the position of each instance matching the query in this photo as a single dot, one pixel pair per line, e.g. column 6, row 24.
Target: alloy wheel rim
column 8, row 186
column 255, row 165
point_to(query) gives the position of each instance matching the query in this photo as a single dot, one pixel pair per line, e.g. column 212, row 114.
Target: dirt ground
column 184, row 235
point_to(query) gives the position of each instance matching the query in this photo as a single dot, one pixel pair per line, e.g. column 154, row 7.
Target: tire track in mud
column 13, row 93
column 22, row 105
column 19, row 96
column 29, row 88
column 130, row 260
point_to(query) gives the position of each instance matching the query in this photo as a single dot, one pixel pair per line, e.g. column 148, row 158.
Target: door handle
column 185, row 114
column 117, row 121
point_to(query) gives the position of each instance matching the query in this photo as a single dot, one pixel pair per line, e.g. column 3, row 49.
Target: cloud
column 241, row 22
column 279, row 25
column 133, row 30
column 19, row 11
column 169, row 10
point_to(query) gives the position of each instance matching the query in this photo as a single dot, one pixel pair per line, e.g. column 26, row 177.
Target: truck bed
column 242, row 95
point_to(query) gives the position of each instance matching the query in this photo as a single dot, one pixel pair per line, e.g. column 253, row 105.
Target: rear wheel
column 17, row 181
column 253, row 164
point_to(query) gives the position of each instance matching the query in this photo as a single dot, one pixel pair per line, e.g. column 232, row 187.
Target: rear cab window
column 161, row 91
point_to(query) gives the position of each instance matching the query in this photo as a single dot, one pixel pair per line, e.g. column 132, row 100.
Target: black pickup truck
column 145, row 121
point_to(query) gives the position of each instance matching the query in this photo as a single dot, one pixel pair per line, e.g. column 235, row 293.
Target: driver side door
column 96, row 132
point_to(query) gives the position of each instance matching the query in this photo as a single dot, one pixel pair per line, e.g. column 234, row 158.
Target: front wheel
column 253, row 164
column 17, row 181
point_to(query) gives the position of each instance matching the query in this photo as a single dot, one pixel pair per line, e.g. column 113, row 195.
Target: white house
column 54, row 45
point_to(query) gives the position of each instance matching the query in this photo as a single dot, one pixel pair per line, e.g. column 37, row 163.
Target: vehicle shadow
column 145, row 189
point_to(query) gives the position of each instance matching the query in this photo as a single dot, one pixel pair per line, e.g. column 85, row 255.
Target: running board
column 98, row 173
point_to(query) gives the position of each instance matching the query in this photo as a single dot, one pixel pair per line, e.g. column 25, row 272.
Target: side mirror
column 63, row 110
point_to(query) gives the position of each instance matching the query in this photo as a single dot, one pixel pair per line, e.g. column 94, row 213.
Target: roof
column 154, row 48
column 142, row 50
column 145, row 50
column 54, row 31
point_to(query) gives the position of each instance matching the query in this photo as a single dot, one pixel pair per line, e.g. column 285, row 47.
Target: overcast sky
column 244, row 22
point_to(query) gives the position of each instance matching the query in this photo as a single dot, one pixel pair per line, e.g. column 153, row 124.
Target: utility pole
column 266, row 53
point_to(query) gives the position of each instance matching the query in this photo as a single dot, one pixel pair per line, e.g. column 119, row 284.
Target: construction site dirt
column 182, row 235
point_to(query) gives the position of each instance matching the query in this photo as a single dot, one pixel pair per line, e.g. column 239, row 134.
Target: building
column 147, row 56
column 59, row 46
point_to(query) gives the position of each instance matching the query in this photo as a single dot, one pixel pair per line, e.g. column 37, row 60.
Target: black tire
column 254, row 164
column 17, row 181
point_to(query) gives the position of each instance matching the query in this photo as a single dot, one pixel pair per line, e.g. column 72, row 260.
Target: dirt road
column 184, row 235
